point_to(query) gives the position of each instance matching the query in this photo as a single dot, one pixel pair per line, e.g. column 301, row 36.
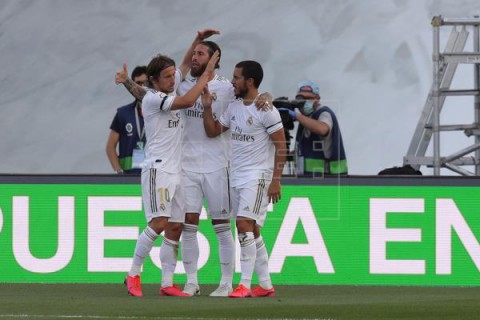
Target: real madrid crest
column 250, row 121
column 129, row 127
column 214, row 96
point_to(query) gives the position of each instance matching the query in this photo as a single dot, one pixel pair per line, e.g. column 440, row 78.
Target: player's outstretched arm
column 136, row 90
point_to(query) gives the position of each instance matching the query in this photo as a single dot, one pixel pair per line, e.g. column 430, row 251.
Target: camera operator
column 319, row 148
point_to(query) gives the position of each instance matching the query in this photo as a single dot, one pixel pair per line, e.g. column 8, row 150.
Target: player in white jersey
column 205, row 166
column 206, row 175
column 161, row 192
column 258, row 156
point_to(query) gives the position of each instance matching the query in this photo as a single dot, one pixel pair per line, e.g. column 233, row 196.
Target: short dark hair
column 212, row 47
column 157, row 65
column 138, row 71
column 251, row 69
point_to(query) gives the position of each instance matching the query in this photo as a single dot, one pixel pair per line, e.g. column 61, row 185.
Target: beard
column 241, row 93
column 198, row 70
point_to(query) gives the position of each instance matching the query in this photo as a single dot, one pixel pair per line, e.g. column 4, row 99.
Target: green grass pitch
column 111, row 301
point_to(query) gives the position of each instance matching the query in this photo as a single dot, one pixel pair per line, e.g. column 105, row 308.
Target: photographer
column 319, row 149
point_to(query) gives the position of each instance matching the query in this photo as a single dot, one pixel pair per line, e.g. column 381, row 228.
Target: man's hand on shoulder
column 264, row 102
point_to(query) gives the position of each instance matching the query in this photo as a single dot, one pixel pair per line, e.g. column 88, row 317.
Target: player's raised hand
column 207, row 98
column 122, row 75
column 212, row 63
column 206, row 33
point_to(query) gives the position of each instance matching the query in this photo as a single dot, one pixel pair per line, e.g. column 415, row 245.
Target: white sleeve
column 154, row 102
column 178, row 79
column 225, row 118
column 272, row 120
column 326, row 118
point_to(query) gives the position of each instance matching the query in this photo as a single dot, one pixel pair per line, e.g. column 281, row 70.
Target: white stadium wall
column 372, row 59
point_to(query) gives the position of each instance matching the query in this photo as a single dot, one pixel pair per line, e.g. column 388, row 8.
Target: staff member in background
column 320, row 146
column 127, row 132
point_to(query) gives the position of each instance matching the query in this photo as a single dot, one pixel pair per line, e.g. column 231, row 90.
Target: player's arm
column 187, row 59
column 111, row 149
column 313, row 125
column 187, row 100
column 212, row 126
column 136, row 90
column 278, row 139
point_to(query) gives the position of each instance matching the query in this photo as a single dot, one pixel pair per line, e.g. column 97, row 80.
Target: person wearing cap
column 320, row 146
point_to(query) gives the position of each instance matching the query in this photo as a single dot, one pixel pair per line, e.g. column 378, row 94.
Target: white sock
column 142, row 249
column 248, row 252
column 261, row 264
column 190, row 252
column 226, row 251
column 168, row 257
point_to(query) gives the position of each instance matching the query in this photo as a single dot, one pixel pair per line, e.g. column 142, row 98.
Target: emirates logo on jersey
column 250, row 121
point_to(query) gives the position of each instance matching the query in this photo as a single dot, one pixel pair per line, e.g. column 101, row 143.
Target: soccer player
column 206, row 173
column 205, row 166
column 258, row 157
column 161, row 191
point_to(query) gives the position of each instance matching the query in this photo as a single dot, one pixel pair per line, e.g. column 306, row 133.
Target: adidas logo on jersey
column 246, row 208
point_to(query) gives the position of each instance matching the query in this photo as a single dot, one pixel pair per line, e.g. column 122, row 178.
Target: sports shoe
column 240, row 292
column 192, row 289
column 261, row 292
column 134, row 286
column 174, row 291
column 223, row 290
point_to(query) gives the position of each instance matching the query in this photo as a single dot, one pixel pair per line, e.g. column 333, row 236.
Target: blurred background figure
column 319, row 146
column 128, row 133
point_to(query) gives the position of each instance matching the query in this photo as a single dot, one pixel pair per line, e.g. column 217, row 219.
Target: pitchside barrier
column 348, row 231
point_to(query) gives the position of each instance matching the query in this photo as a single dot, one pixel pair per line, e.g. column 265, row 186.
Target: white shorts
column 213, row 186
column 251, row 200
column 162, row 195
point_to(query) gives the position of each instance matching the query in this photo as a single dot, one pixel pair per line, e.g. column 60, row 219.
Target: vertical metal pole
column 436, row 97
column 476, row 83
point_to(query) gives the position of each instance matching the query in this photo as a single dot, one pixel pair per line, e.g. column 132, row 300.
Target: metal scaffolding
column 444, row 67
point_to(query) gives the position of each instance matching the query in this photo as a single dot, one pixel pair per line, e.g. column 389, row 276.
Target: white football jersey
column 202, row 154
column 253, row 152
column 163, row 129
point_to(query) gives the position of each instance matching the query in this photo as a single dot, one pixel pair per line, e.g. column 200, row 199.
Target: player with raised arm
column 205, row 166
column 206, row 174
column 161, row 191
column 258, row 157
